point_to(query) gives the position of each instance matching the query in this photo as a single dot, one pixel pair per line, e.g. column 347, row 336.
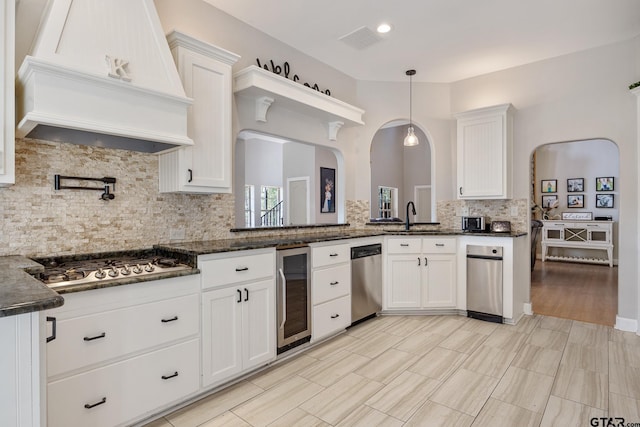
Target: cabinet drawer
column 329, row 255
column 331, row 283
column 439, row 246
column 87, row 340
column 331, row 317
column 130, row 389
column 226, row 271
column 404, row 246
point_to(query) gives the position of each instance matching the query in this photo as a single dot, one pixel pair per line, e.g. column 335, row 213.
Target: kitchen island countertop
column 19, row 291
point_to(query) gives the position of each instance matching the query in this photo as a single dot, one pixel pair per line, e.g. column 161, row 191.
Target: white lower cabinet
column 421, row 273
column 121, row 354
column 238, row 330
column 238, row 319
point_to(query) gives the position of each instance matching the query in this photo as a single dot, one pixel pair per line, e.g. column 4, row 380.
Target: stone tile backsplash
column 40, row 221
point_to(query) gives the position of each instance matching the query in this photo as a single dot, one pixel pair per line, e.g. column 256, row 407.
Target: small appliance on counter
column 473, row 224
column 501, row 227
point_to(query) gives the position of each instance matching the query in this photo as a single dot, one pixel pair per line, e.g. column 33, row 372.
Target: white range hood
column 101, row 73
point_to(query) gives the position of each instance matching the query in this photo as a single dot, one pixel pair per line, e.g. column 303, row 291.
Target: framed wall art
column 575, row 201
column 604, row 183
column 549, row 186
column 548, row 201
column 327, row 190
column 575, row 185
column 604, row 201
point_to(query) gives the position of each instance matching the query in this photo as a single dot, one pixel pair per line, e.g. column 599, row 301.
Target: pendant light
column 411, row 139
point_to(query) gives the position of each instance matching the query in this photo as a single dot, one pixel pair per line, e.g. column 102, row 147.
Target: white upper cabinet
column 7, row 93
column 484, row 147
column 205, row 167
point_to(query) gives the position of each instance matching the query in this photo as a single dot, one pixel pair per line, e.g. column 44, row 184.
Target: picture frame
column 604, row 183
column 575, row 201
column 577, row 216
column 547, row 201
column 549, row 186
column 327, row 190
column 604, row 201
column 575, row 185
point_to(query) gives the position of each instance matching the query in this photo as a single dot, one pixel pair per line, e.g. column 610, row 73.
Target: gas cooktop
column 102, row 267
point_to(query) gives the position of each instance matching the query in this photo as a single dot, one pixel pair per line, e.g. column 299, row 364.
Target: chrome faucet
column 413, row 210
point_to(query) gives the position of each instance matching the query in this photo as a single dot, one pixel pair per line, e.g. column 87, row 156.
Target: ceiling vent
column 361, row 38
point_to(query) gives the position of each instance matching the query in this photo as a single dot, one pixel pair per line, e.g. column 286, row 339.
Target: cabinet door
column 484, row 153
column 7, row 93
column 439, row 286
column 258, row 323
column 221, row 334
column 405, row 281
column 208, row 82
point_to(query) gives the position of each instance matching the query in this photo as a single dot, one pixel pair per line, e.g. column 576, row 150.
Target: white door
column 258, row 324
column 422, row 197
column 221, row 334
column 405, row 275
column 440, row 283
column 298, row 209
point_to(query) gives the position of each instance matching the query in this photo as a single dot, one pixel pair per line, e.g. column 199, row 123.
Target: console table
column 595, row 235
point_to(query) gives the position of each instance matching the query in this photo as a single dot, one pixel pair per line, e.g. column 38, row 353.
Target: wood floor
column 584, row 292
column 402, row 371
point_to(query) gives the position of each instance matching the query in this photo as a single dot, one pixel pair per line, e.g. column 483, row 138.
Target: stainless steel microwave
column 473, row 223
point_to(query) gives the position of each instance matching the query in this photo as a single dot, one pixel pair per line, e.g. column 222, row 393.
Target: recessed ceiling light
column 384, row 28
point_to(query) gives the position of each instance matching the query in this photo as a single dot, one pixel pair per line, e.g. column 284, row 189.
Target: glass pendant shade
column 411, row 139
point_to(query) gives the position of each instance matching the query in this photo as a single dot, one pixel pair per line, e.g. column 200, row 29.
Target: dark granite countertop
column 20, row 292
column 283, row 242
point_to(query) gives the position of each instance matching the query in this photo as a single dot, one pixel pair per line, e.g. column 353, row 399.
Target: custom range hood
column 101, row 73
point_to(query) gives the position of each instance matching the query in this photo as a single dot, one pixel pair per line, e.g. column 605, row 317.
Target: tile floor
column 437, row 371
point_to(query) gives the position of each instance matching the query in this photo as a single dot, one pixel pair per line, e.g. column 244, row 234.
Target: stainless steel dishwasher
column 366, row 282
column 484, row 283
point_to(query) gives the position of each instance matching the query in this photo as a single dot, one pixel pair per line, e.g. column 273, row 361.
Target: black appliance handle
column 494, row 258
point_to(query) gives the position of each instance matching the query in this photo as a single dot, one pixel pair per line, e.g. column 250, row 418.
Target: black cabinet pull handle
column 166, row 377
column 89, row 406
column 441, row 245
column 333, row 254
column 246, row 294
column 239, row 295
column 404, row 245
column 102, row 335
column 334, row 283
column 461, row 191
column 426, row 262
column 242, row 268
column 190, row 175
column 418, row 261
column 173, row 319
column 54, row 322
column 335, row 316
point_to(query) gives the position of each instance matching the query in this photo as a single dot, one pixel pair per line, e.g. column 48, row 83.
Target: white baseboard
column 628, row 325
column 528, row 309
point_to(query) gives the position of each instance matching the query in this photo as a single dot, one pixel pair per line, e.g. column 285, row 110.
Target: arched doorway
column 566, row 186
column 401, row 174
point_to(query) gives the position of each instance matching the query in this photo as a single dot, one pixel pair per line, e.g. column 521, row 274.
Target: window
column 271, row 206
column 249, row 217
column 387, row 202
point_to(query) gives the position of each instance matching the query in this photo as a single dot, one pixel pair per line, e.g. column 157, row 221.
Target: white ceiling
column 444, row 40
